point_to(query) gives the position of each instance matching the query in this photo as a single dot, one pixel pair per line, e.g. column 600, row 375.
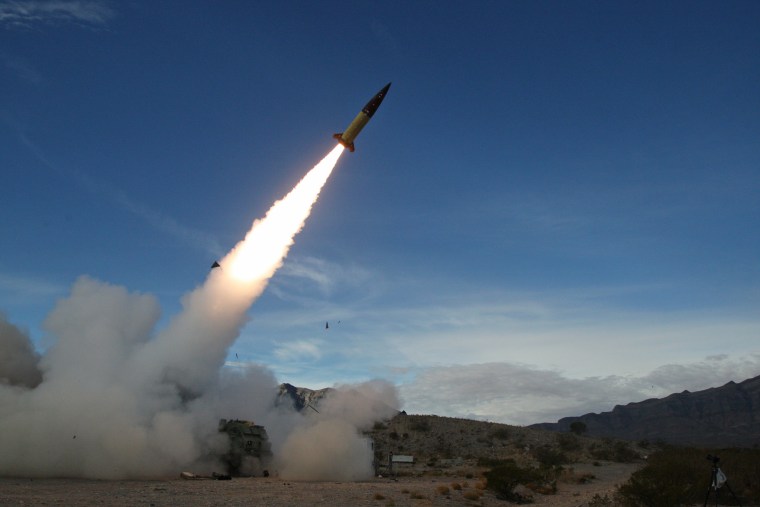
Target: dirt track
column 274, row 492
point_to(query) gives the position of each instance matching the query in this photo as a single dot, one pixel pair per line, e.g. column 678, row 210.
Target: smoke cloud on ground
column 111, row 398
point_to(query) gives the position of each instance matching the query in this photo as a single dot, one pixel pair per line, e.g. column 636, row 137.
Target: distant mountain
column 301, row 397
column 727, row 416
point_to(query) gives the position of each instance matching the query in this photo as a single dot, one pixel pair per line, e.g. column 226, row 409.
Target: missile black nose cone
column 374, row 103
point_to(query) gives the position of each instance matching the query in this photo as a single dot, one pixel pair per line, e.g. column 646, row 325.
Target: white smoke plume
column 112, row 399
column 19, row 363
column 328, row 446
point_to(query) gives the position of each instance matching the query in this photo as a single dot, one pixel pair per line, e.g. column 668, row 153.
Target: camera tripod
column 718, row 480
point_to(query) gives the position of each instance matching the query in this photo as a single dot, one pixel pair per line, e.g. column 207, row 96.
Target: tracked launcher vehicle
column 250, row 452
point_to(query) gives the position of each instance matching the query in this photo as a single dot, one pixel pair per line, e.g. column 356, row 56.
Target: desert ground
column 417, row 491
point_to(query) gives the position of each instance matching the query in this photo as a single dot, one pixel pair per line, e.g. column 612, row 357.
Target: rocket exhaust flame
column 267, row 243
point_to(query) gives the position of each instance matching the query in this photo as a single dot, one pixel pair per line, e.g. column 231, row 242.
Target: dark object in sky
column 215, row 265
column 346, row 138
column 327, row 325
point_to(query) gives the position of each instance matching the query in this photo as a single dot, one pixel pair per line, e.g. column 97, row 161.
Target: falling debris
column 215, row 265
column 327, row 325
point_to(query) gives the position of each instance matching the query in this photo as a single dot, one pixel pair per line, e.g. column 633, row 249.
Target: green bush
column 677, row 476
column 600, row 501
column 620, row 452
column 500, row 434
column 578, row 427
column 419, row 424
column 568, row 442
column 503, row 479
column 550, row 458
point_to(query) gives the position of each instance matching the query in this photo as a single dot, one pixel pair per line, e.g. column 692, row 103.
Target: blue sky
column 555, row 210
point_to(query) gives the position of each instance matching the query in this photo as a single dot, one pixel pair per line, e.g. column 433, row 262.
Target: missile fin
column 339, row 137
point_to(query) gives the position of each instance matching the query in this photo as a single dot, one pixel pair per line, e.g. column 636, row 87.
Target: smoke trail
column 328, row 446
column 108, row 400
column 192, row 349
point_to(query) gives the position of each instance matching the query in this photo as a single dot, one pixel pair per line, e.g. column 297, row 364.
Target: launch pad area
column 278, row 492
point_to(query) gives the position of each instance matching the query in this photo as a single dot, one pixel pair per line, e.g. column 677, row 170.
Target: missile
column 346, row 138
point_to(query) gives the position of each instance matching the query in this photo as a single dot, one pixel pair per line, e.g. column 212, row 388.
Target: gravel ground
column 274, row 492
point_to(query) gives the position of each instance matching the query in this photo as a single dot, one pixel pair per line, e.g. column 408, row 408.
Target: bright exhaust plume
column 262, row 251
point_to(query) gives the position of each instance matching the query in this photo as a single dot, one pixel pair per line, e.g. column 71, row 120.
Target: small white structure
column 400, row 459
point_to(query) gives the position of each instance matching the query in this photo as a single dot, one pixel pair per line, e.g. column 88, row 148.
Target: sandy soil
column 274, row 492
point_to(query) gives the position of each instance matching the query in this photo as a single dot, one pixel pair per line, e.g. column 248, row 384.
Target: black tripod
column 717, row 480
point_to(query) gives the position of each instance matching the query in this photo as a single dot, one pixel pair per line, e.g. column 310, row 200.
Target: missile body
column 346, row 138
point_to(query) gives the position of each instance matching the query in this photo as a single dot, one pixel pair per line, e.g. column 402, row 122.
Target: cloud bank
column 26, row 13
column 523, row 394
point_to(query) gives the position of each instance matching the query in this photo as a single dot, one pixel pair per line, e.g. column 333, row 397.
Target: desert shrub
column 378, row 496
column 609, row 450
column 570, row 476
column 416, row 495
column 442, row 490
column 578, row 427
column 568, row 442
column 422, row 425
column 623, row 453
column 500, row 434
column 456, row 486
column 678, row 476
column 503, row 479
column 600, row 501
column 549, row 457
column 493, row 462
column 471, row 495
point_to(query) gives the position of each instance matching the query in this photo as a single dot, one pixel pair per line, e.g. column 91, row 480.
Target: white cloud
column 298, row 350
column 522, row 358
column 27, row 288
column 299, row 275
column 30, row 12
column 522, row 394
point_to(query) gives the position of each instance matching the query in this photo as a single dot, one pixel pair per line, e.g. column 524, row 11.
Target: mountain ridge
column 725, row 416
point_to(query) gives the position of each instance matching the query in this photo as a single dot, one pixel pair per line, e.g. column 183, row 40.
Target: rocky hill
column 437, row 443
column 300, row 397
column 726, row 416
